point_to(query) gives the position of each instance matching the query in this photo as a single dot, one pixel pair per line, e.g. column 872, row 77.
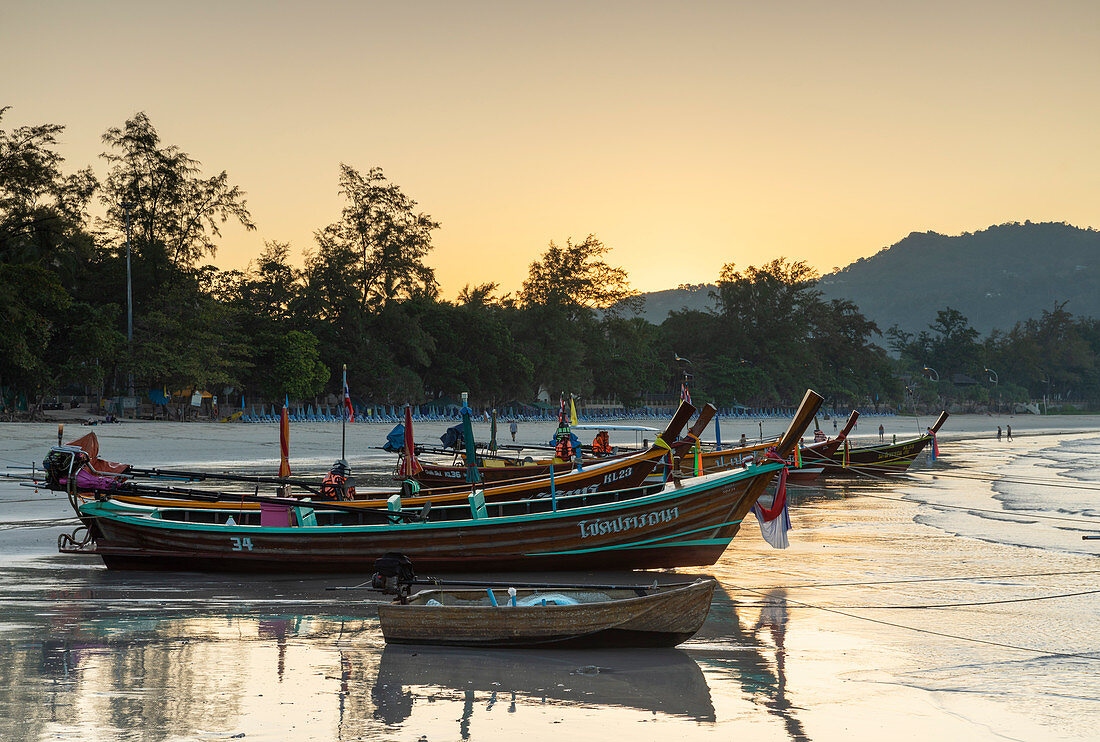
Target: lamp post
column 126, row 206
column 994, row 378
column 935, row 374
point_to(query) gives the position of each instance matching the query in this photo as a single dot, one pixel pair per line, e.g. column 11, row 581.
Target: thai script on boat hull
column 628, row 522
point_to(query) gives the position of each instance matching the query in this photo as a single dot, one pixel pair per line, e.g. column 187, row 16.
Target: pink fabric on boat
column 274, row 515
column 86, row 480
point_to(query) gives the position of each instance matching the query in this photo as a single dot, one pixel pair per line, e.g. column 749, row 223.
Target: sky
column 684, row 135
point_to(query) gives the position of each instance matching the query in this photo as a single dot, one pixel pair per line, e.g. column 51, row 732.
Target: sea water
column 955, row 603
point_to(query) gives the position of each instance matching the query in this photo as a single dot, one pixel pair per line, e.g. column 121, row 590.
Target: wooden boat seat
column 477, row 506
column 304, row 516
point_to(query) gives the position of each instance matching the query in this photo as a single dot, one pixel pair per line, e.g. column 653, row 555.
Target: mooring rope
column 1041, row 652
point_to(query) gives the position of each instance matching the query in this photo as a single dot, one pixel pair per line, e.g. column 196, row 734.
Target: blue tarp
column 452, row 438
column 395, row 439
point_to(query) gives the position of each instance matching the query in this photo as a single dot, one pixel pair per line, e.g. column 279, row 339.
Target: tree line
column 367, row 296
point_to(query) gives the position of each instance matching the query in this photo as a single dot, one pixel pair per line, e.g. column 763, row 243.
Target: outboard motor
column 393, row 575
column 60, row 464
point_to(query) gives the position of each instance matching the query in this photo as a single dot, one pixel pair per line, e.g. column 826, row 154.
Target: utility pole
column 126, row 206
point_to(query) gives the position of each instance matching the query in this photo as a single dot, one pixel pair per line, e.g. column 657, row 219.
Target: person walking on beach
column 998, row 433
column 1008, row 430
column 512, row 429
column 834, row 423
column 881, row 433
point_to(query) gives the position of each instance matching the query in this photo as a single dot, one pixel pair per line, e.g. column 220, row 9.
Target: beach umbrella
column 409, row 466
column 493, row 432
column 284, row 441
column 472, row 474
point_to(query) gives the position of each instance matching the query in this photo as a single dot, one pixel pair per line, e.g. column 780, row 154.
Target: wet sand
column 836, row 637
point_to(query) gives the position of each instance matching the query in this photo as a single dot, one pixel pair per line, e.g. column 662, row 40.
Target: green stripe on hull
column 648, row 542
column 723, row 542
column 126, row 513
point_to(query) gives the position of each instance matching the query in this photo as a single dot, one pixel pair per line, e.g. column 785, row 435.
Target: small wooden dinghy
column 657, row 616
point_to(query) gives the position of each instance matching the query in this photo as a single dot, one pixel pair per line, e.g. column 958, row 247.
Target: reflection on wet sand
column 666, row 681
column 761, row 679
column 169, row 676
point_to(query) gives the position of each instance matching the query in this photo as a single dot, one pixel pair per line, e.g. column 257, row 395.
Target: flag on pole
column 349, row 411
column 685, row 395
column 572, row 411
column 284, row 440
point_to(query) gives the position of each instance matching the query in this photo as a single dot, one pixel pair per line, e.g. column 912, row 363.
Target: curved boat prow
column 677, row 423
column 706, row 414
column 848, row 426
column 809, row 406
column 940, row 421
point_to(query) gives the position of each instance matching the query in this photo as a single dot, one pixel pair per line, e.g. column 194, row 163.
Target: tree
column 43, row 212
column 297, row 372
column 577, row 278
column 175, row 213
column 379, row 243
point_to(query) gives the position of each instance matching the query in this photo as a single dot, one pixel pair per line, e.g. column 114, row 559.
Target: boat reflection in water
column 97, row 672
column 666, row 681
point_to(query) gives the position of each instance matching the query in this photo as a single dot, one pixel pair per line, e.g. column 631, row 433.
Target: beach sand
column 886, row 618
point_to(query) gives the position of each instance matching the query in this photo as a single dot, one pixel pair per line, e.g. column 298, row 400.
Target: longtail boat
column 801, row 470
column 501, row 469
column 654, row 616
column 889, row 458
column 683, row 523
column 85, row 477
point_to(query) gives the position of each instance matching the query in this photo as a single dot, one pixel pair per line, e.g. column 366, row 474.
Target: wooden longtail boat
column 709, row 461
column 503, row 470
column 661, row 616
column 683, row 523
column 600, row 476
column 889, row 458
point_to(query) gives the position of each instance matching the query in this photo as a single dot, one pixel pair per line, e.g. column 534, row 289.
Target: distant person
column 513, row 429
column 834, row 424
column 881, row 434
column 1008, row 430
column 998, row 433
column 743, row 441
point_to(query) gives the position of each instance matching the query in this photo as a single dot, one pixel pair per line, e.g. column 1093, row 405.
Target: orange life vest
column 601, row 444
column 333, row 487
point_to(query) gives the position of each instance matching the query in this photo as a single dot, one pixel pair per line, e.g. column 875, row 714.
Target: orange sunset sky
column 684, row 135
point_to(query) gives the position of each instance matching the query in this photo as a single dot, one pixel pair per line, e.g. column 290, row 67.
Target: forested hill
column 686, row 296
column 995, row 277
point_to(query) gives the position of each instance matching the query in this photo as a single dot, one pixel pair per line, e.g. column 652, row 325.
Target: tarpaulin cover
column 395, row 439
column 452, row 437
column 90, row 444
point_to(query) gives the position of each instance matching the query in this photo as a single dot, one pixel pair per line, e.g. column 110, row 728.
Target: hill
column 996, row 277
column 690, row 296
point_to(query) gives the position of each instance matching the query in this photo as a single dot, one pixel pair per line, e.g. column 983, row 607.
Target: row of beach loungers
column 421, row 413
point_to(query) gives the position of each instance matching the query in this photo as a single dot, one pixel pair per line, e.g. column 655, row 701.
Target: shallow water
column 833, row 638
